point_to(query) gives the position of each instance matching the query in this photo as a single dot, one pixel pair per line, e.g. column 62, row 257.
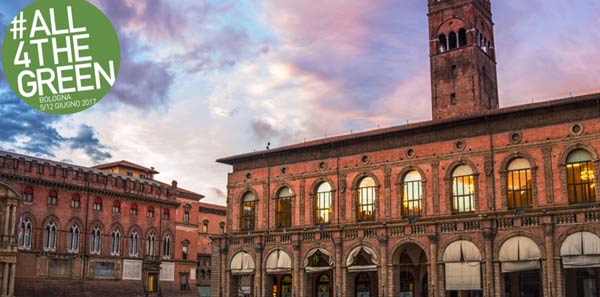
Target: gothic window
column 115, row 243
column 365, row 200
column 283, row 213
column 167, row 247
column 443, row 43
column 52, row 197
column 75, row 201
column 50, row 237
column 97, row 204
column 150, row 212
column 519, row 187
column 248, row 211
column 151, row 248
column 26, row 235
column 452, row 40
column 116, row 206
column 322, row 204
column 462, row 37
column 133, row 244
column 73, row 241
column 412, row 200
column 28, row 194
column 463, row 189
column 581, row 186
column 133, row 210
column 95, row 240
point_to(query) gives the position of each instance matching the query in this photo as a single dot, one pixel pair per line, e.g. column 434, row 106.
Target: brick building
column 479, row 201
column 107, row 230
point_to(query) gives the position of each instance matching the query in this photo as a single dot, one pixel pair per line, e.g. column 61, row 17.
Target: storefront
column 318, row 265
column 242, row 269
column 279, row 271
column 520, row 266
column 462, row 264
column 580, row 253
column 362, row 265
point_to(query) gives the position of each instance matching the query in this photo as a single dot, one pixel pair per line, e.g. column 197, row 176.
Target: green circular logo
column 61, row 56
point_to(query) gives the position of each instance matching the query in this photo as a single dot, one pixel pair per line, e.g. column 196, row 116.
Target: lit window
column 73, row 242
column 52, row 198
column 248, row 211
column 283, row 214
column 75, row 201
column 97, row 204
column 519, row 188
column 463, row 189
column 580, row 177
column 28, row 194
column 365, row 200
column 413, row 194
column 115, row 243
column 95, row 240
column 116, row 206
column 50, row 237
column 133, row 210
column 322, row 204
column 25, row 235
column 150, row 212
column 133, row 244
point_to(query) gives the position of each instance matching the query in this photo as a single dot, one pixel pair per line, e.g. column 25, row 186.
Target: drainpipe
column 85, row 227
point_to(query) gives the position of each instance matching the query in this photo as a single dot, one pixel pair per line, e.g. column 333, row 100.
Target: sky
column 202, row 80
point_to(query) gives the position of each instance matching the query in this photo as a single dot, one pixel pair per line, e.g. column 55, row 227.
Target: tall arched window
column 365, row 200
column 97, row 204
column 463, row 189
column 581, row 185
column 95, row 240
column 412, row 200
column 116, row 206
column 53, row 197
column 50, row 237
column 25, row 238
column 167, row 247
column 75, row 201
column 322, row 204
column 452, row 40
column 28, row 194
column 519, row 188
column 151, row 247
column 73, row 242
column 133, row 210
column 462, row 37
column 443, row 43
column 133, row 244
column 283, row 213
column 248, row 211
column 150, row 212
column 115, row 243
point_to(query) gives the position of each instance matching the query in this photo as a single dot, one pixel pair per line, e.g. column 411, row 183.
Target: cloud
column 87, row 140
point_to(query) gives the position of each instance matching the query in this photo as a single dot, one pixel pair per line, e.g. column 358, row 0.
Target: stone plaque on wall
column 104, row 269
column 132, row 269
column 59, row 268
column 167, row 271
column 193, row 273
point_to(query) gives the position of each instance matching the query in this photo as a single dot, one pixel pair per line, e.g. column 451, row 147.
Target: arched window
column 166, row 214
column 53, row 197
column 95, row 240
column 133, row 210
column 75, row 201
column 117, row 206
column 462, row 37
column 150, row 212
column 580, row 177
column 115, row 243
column 221, row 227
column 98, row 204
column 412, row 201
column 27, row 233
column 133, row 244
column 167, row 247
column 73, row 242
column 452, row 40
column 365, row 200
column 283, row 213
column 186, row 214
column 248, row 211
column 184, row 249
column 50, row 237
column 443, row 43
column 151, row 247
column 205, row 226
column 519, row 188
column 463, row 189
column 322, row 200
column 28, row 194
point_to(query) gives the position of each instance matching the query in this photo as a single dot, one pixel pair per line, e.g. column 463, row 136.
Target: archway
column 362, row 264
column 242, row 274
column 580, row 253
column 520, row 262
column 462, row 265
column 279, row 270
column 410, row 271
column 318, row 265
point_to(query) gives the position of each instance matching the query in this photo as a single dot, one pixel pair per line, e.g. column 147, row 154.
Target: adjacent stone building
column 480, row 201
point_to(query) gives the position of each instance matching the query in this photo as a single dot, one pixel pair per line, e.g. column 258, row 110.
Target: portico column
column 550, row 276
column 489, row 235
column 11, row 281
column 296, row 270
column 338, row 268
column 14, row 222
column 6, row 217
column 382, row 280
column 4, row 279
column 433, row 271
column 259, row 278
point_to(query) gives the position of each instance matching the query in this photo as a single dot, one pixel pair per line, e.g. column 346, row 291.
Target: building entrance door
column 363, row 285
column 523, row 284
column 323, row 286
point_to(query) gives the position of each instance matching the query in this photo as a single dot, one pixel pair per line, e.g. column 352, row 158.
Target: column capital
column 489, row 233
column 433, row 238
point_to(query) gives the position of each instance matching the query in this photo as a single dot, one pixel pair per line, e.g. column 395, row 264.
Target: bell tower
column 463, row 58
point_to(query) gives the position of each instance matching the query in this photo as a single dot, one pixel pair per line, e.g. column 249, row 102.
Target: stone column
column 550, row 276
column 259, row 276
column 11, row 281
column 6, row 217
column 296, row 280
column 433, row 271
column 14, row 222
column 383, row 276
column 498, row 280
column 338, row 268
column 489, row 235
column 4, row 279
